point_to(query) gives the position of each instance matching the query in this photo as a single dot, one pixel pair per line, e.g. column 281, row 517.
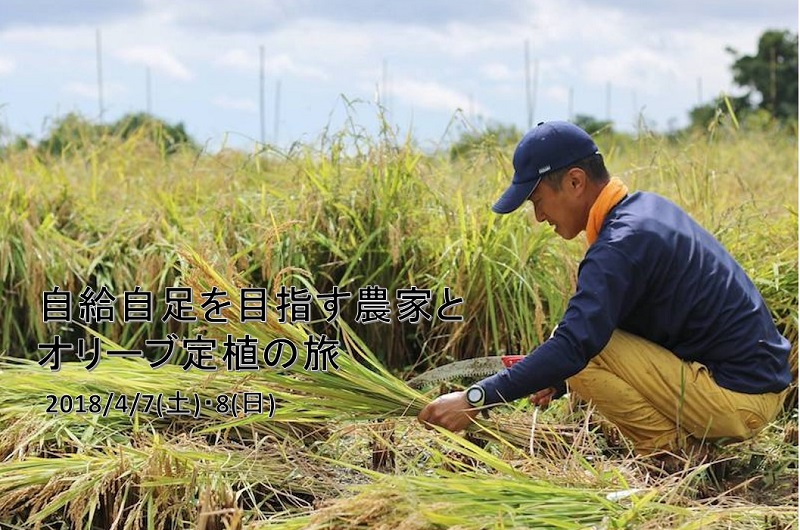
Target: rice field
column 261, row 384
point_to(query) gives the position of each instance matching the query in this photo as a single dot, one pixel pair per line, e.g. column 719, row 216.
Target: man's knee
column 753, row 414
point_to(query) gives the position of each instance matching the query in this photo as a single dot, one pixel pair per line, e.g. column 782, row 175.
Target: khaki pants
column 660, row 402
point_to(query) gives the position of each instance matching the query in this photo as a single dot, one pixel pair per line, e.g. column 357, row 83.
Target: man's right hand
column 451, row 411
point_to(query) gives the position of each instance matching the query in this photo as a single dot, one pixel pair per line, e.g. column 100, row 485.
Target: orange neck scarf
column 610, row 195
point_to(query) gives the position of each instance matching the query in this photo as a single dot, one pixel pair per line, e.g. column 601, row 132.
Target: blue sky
column 423, row 59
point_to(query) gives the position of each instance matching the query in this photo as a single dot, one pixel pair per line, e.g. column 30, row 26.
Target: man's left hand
column 542, row 398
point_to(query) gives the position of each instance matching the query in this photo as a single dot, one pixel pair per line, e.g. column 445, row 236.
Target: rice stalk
column 174, row 477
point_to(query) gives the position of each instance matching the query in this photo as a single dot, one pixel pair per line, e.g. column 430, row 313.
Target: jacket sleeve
column 608, row 289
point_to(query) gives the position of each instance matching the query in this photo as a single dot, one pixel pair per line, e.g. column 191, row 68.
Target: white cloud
column 283, row 64
column 6, row 66
column 433, row 96
column 238, row 59
column 702, row 55
column 86, row 90
column 257, row 15
column 239, row 104
column 339, row 44
column 157, row 58
column 500, row 72
column 557, row 93
column 633, row 68
column 89, row 90
column 211, row 15
column 575, row 24
column 275, row 65
column 73, row 38
column 460, row 41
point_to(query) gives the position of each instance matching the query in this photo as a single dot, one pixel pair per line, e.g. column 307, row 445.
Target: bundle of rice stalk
column 102, row 402
column 361, row 387
column 121, row 395
column 35, row 433
column 469, row 500
column 159, row 483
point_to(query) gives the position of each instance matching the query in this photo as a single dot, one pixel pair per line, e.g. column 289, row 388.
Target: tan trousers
column 660, row 402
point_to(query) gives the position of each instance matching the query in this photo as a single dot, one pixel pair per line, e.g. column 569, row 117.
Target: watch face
column 475, row 395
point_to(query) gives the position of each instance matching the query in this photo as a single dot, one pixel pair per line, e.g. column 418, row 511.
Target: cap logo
column 544, row 169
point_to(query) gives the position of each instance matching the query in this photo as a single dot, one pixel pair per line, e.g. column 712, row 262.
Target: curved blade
column 477, row 367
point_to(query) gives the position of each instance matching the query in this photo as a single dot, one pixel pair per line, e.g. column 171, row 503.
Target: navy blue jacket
column 656, row 273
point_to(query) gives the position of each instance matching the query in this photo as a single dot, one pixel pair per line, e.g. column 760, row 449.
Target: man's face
column 559, row 208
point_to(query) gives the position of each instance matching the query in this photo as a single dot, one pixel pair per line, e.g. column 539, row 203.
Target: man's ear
column 575, row 180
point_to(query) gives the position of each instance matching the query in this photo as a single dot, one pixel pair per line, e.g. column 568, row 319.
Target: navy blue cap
column 549, row 146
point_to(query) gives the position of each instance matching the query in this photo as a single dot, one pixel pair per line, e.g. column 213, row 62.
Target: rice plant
column 350, row 210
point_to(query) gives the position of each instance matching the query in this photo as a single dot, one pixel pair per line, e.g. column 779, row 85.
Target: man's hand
column 450, row 411
column 543, row 397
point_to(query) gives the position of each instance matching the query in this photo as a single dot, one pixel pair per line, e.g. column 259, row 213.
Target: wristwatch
column 476, row 396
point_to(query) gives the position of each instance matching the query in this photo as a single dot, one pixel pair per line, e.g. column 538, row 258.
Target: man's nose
column 538, row 214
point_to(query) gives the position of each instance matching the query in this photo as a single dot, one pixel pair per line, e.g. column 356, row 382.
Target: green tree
column 69, row 134
column 703, row 115
column 770, row 74
column 74, row 133
column 167, row 137
column 770, row 77
column 593, row 125
column 493, row 136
